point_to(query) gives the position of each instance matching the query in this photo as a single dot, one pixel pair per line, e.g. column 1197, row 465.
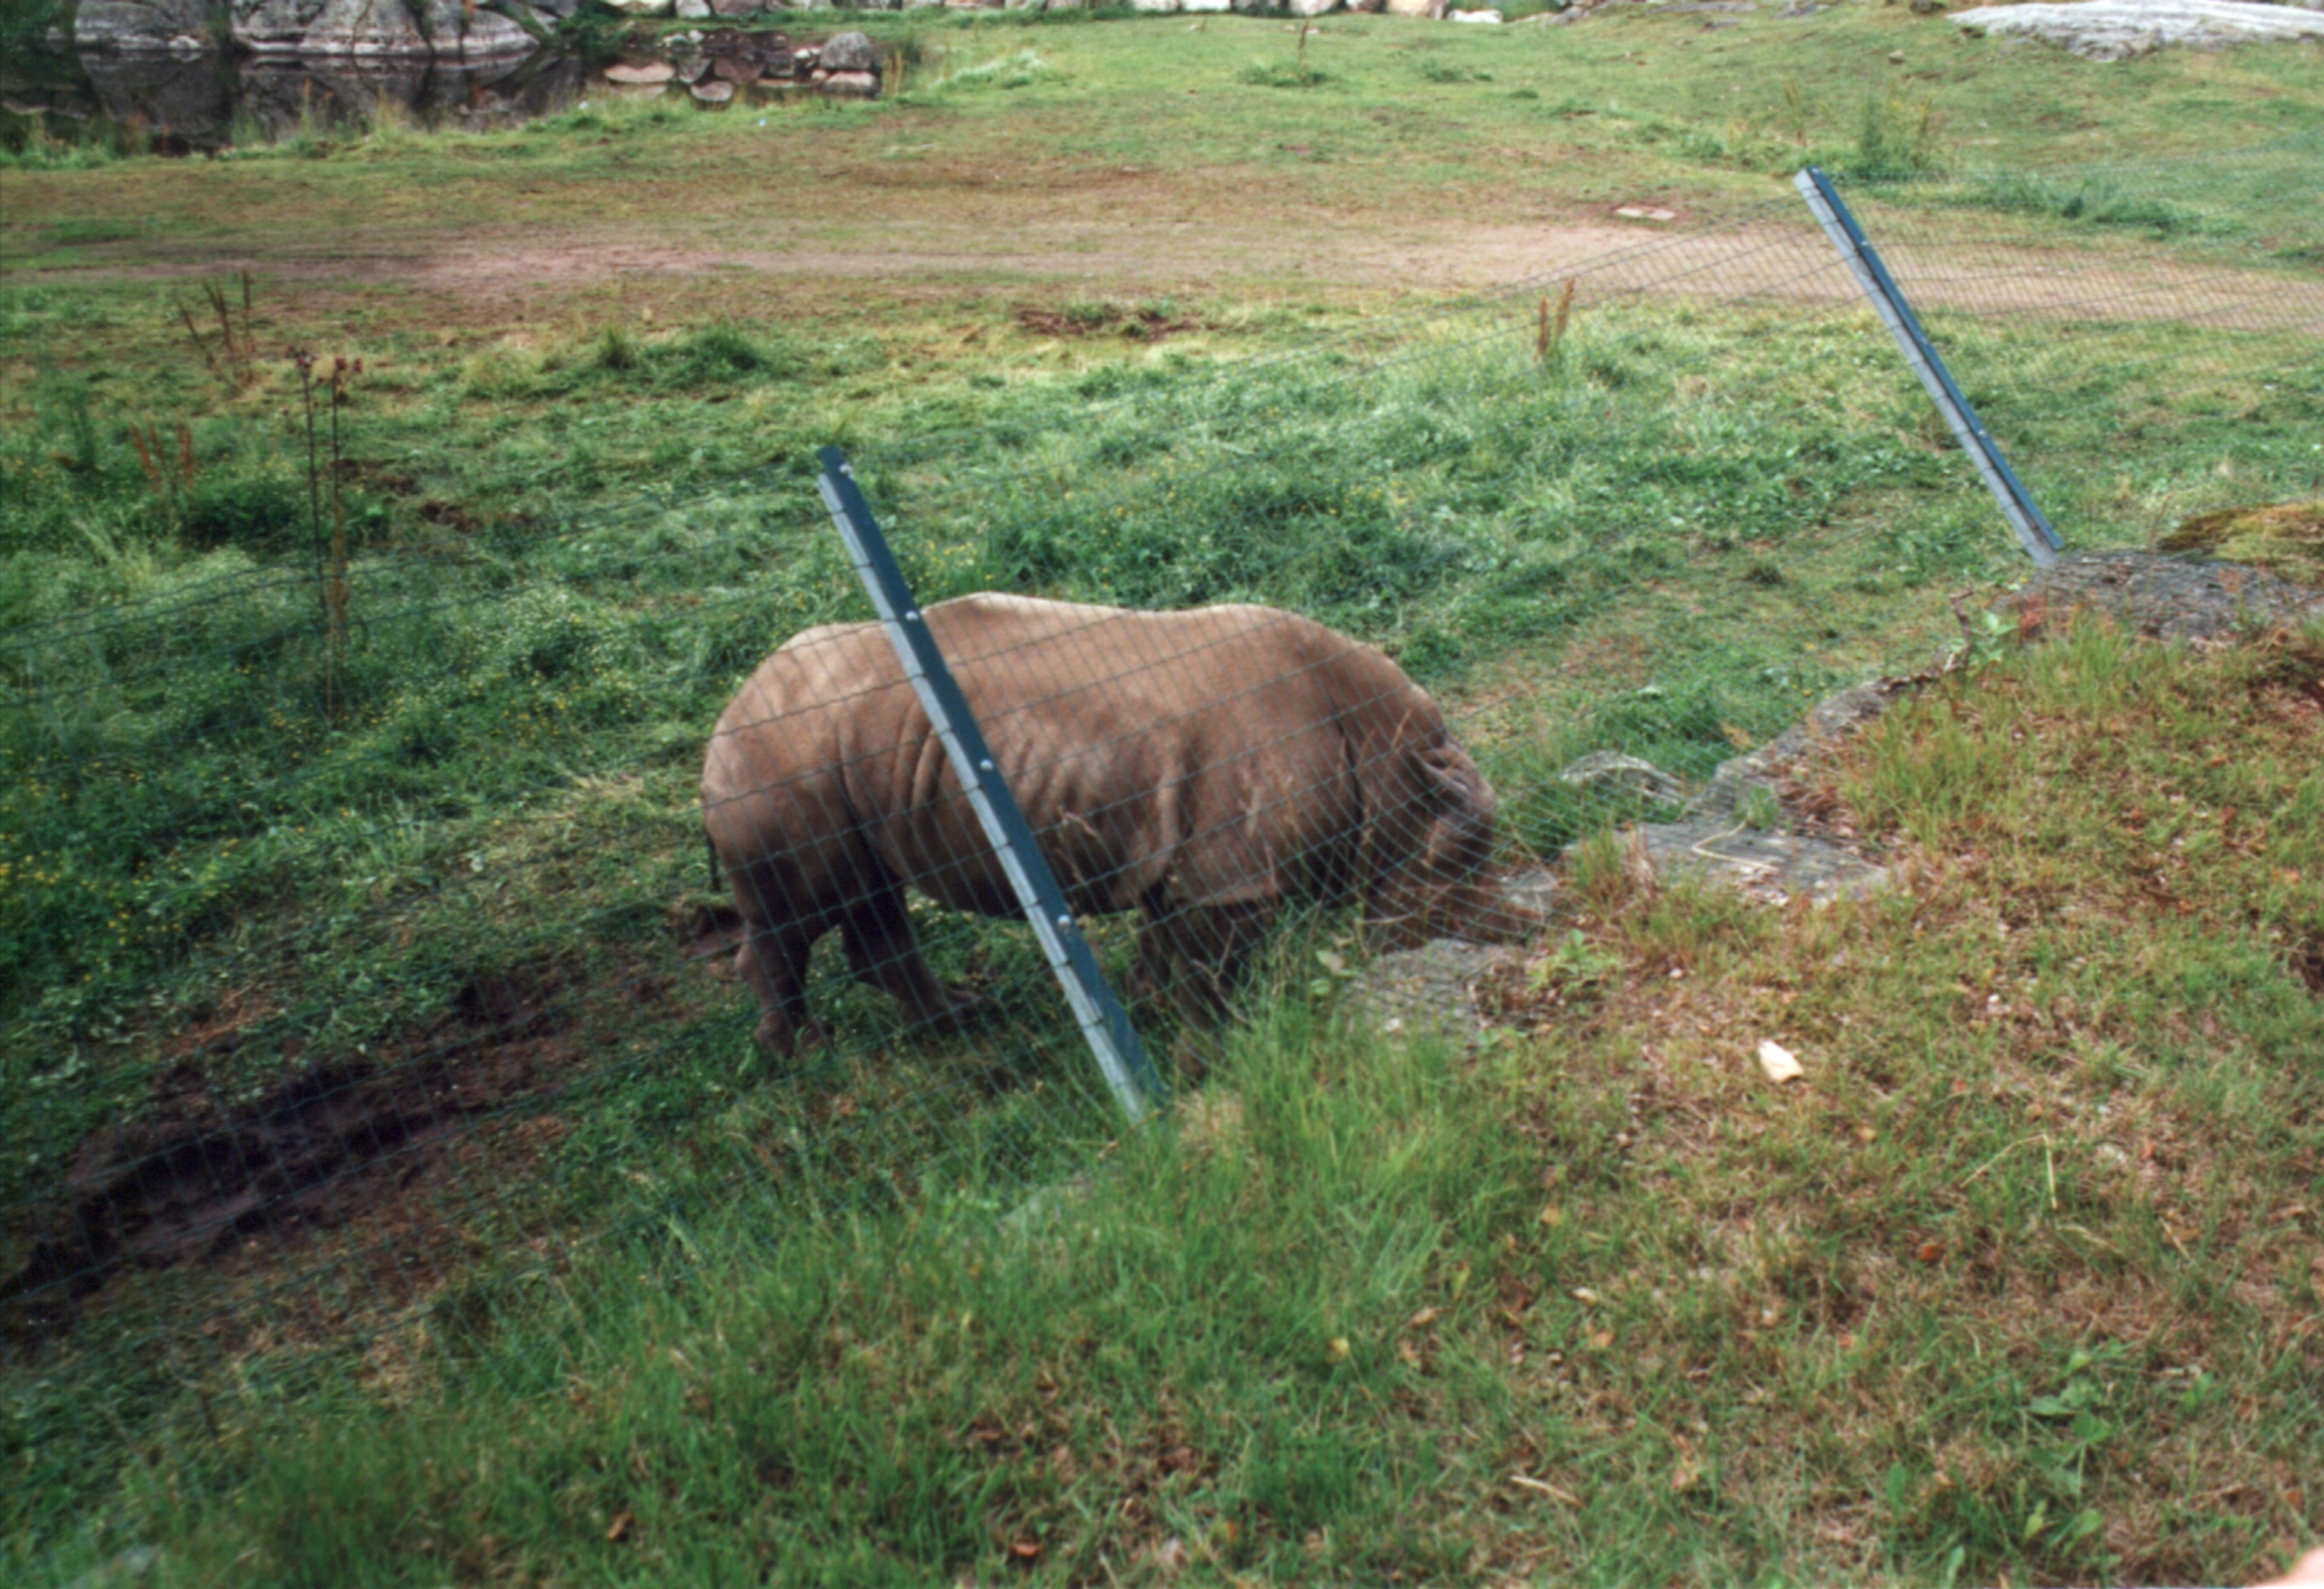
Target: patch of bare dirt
column 1105, row 320
column 205, row 1177
column 478, row 265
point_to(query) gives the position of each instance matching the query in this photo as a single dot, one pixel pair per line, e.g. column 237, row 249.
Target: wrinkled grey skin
column 1203, row 767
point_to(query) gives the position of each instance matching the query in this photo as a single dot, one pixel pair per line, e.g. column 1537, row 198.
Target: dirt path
column 483, row 269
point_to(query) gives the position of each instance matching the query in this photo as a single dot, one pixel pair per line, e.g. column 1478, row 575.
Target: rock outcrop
column 143, row 26
column 377, row 29
column 2117, row 30
column 441, row 29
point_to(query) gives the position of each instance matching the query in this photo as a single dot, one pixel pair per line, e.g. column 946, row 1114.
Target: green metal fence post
column 1105, row 1024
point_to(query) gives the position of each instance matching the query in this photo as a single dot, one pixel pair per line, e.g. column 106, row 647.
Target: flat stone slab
column 1433, row 988
column 1430, row 989
column 2117, row 30
column 2161, row 596
column 1762, row 863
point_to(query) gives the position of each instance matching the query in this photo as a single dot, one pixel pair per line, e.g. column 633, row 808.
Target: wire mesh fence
column 372, row 987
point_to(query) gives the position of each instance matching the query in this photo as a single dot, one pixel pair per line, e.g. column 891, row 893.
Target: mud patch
column 1101, row 319
column 2307, row 962
column 204, row 1177
column 706, row 926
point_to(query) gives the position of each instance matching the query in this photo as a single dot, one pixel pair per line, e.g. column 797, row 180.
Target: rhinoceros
column 1203, row 767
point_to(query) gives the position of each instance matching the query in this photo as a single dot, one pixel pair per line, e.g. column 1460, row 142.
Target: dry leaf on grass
column 1525, row 1481
column 1780, row 1064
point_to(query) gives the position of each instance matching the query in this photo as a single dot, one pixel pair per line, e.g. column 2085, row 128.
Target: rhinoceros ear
column 1452, row 780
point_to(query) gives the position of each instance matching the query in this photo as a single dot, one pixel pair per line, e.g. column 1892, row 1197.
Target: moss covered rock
column 2286, row 539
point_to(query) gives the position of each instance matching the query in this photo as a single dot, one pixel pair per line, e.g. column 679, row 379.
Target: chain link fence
column 370, row 987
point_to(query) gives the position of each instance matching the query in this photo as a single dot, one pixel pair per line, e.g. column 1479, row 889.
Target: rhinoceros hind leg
column 773, row 963
column 884, row 952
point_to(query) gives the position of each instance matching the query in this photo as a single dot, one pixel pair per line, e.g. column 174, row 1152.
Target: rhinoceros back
column 1207, row 757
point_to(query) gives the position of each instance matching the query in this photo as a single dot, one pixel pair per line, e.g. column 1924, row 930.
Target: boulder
column 2117, row 30
column 137, row 26
column 641, row 7
column 1154, row 5
column 849, row 51
column 738, row 10
column 736, row 68
column 1311, row 7
column 691, row 10
column 1206, row 4
column 1415, row 7
column 859, row 83
column 693, row 68
column 711, row 91
column 1489, row 18
column 646, row 74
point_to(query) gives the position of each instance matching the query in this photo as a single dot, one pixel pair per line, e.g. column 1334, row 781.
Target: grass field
column 2020, row 1283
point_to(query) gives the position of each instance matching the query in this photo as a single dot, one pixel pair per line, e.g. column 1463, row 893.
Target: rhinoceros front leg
column 1192, row 954
column 883, row 952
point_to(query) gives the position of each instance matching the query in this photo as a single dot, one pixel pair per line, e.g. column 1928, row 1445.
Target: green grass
column 2011, row 1284
column 579, row 514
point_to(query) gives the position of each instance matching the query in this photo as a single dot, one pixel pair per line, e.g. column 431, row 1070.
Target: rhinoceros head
column 1430, row 852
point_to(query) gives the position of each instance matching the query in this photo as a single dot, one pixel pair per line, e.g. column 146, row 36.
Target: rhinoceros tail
column 710, row 849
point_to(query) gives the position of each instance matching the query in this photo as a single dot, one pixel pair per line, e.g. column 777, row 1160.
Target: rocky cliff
column 437, row 29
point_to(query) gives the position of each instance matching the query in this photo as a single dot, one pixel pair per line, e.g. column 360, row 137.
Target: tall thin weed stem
column 234, row 357
column 331, row 552
column 1549, row 336
column 169, row 477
